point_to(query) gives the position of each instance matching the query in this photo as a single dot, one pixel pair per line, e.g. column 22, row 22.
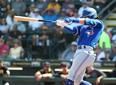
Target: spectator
column 62, row 15
column 46, row 72
column 50, row 15
column 104, row 55
column 58, row 42
column 113, row 73
column 19, row 7
column 9, row 7
column 100, row 54
column 42, row 41
column 3, row 9
column 41, row 5
column 107, row 55
column 101, row 3
column 114, row 37
column 20, row 26
column 75, row 14
column 69, row 13
column 94, row 73
column 89, row 2
column 22, row 55
column 69, row 53
column 4, row 72
column 113, row 52
column 36, row 41
column 109, row 34
column 16, row 50
column 104, row 41
column 4, row 28
column 3, row 46
column 5, row 56
column 15, row 34
column 54, row 6
column 44, row 36
column 31, row 9
column 9, row 18
column 36, row 25
column 68, row 5
column 83, row 7
column 1, row 34
column 64, row 72
column 113, row 31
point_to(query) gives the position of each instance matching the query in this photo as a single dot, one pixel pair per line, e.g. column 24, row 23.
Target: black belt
column 84, row 47
column 81, row 46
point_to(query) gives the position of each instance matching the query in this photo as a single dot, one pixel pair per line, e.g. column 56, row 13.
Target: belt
column 84, row 47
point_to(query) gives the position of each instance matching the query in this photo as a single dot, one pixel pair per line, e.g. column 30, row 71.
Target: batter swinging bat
column 29, row 19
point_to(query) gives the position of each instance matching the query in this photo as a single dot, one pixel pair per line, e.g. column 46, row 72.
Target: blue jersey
column 89, row 33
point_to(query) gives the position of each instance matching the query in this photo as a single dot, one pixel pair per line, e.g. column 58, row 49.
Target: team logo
column 89, row 32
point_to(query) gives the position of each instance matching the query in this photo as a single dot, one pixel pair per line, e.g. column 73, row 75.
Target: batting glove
column 61, row 23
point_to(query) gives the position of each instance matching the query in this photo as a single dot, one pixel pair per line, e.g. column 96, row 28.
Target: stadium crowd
column 23, row 40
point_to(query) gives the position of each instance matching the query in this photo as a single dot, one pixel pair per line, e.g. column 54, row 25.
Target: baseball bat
column 29, row 19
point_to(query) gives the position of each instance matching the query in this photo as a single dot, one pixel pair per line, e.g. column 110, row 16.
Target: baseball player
column 89, row 33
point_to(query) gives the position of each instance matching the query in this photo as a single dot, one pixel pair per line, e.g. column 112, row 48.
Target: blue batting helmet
column 90, row 13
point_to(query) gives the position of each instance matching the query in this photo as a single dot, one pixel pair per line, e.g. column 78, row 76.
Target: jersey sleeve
column 87, row 21
column 93, row 22
column 73, row 29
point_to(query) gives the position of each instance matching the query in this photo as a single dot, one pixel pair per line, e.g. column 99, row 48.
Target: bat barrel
column 29, row 19
column 26, row 19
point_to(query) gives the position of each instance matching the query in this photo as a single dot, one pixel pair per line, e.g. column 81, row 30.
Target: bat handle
column 54, row 21
column 47, row 21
